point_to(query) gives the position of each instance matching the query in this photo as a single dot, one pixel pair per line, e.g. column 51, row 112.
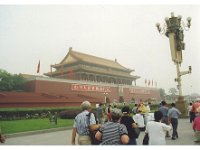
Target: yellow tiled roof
column 93, row 60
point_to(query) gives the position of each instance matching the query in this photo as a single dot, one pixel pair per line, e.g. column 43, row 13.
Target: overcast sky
column 125, row 32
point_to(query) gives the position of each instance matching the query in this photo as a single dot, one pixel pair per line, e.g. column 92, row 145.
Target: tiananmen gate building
column 80, row 77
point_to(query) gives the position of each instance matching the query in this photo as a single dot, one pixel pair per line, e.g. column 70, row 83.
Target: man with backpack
column 83, row 125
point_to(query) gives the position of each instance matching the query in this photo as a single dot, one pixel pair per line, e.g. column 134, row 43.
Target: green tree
column 162, row 93
column 9, row 82
column 173, row 92
column 19, row 82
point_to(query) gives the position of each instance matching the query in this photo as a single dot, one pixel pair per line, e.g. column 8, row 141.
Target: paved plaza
column 186, row 137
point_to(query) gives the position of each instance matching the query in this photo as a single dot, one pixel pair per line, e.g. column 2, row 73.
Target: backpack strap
column 88, row 120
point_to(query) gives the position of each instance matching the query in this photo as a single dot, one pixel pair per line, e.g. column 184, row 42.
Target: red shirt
column 195, row 106
column 196, row 123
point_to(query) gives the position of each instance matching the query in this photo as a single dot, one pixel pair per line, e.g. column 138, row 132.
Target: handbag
column 136, row 132
column 94, row 141
column 146, row 139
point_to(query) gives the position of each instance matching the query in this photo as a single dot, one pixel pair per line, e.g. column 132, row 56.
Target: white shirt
column 139, row 119
column 157, row 132
column 190, row 108
column 148, row 109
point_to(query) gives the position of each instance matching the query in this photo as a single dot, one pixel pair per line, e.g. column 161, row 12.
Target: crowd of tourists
column 116, row 126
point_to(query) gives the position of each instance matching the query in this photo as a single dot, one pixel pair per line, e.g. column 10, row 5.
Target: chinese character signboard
column 91, row 88
column 139, row 91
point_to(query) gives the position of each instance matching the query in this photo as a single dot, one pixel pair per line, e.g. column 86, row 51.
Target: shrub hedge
column 63, row 112
column 26, row 113
column 69, row 114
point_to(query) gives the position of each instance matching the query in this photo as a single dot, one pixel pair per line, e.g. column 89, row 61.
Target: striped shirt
column 81, row 122
column 112, row 132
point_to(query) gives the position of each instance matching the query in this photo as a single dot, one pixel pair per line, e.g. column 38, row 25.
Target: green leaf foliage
column 9, row 82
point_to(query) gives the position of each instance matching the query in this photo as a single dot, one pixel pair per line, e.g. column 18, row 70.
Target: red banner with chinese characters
column 92, row 88
column 139, row 91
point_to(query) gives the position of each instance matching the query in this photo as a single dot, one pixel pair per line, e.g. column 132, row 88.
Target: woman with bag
column 133, row 130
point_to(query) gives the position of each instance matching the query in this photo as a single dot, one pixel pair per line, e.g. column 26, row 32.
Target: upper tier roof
column 74, row 56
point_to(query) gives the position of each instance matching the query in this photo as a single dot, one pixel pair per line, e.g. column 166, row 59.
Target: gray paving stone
column 186, row 137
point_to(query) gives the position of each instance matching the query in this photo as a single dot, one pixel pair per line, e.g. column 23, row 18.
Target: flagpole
column 51, row 70
column 38, row 68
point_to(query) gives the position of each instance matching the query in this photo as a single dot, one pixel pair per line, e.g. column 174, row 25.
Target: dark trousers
column 174, row 122
column 192, row 116
column 132, row 141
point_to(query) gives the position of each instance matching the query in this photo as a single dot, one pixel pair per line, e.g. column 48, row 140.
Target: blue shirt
column 174, row 113
column 164, row 110
column 81, row 122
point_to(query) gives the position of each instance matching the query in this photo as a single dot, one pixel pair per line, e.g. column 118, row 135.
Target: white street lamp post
column 173, row 29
